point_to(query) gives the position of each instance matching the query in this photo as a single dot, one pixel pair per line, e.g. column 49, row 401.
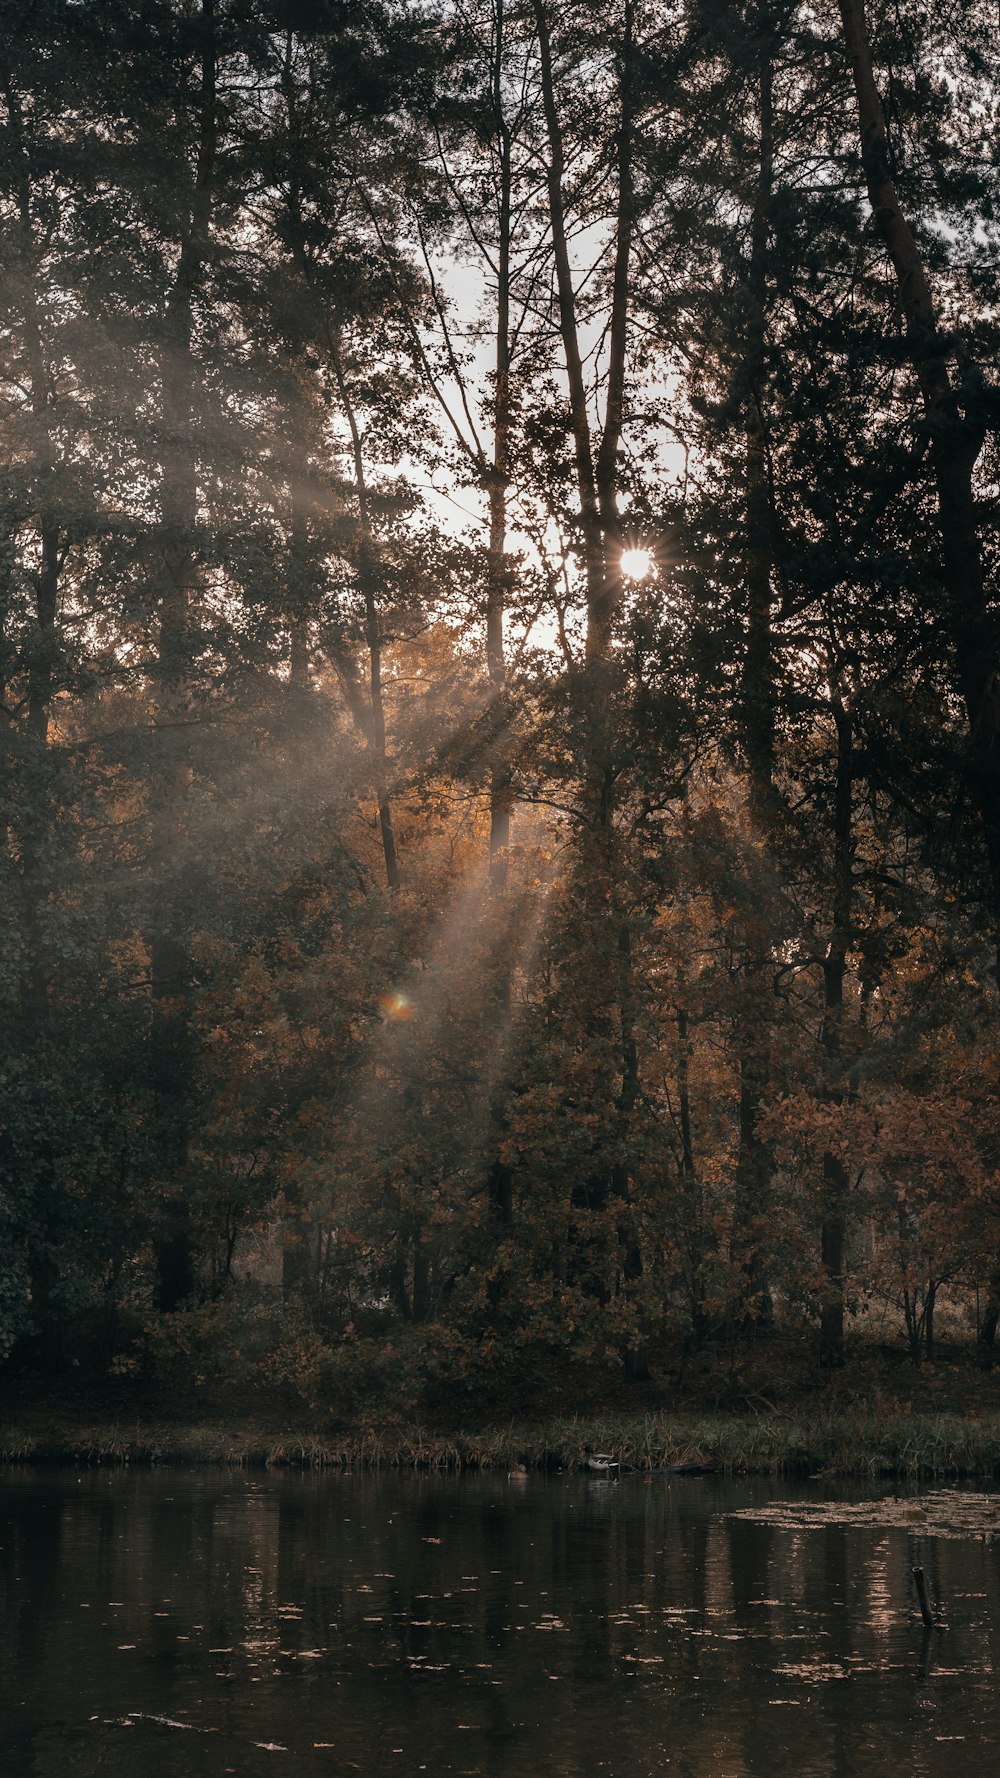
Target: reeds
column 860, row 1441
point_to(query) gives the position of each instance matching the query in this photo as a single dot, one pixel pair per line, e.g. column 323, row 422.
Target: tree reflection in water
column 179, row 1625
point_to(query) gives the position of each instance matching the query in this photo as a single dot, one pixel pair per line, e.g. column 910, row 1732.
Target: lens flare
column 636, row 563
column 397, row 1008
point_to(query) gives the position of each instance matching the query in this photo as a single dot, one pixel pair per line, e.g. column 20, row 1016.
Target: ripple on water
column 446, row 1626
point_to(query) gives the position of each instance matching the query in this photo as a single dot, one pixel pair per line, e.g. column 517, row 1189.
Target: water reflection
column 182, row 1625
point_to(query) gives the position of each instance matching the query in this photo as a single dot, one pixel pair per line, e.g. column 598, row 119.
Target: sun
column 636, row 564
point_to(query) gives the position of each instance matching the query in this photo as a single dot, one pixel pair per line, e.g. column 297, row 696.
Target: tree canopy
column 499, row 686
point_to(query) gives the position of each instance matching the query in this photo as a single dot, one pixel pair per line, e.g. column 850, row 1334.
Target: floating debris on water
column 950, row 1512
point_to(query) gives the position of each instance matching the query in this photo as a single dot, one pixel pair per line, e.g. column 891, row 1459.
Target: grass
column 859, row 1441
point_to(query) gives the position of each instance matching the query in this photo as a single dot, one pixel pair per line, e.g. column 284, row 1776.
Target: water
column 182, row 1625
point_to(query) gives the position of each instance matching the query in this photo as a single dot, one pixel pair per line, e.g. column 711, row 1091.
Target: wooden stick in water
column 925, row 1610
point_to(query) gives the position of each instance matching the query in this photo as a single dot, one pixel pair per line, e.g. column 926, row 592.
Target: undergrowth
column 835, row 1442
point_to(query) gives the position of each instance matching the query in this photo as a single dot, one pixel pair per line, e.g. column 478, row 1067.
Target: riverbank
column 862, row 1441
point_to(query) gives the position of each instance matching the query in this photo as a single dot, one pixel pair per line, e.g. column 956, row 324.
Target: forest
column 499, row 690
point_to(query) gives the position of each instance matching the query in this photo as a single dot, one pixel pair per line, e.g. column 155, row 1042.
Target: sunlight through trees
column 500, row 690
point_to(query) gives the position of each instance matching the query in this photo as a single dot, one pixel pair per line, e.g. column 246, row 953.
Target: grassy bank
column 856, row 1442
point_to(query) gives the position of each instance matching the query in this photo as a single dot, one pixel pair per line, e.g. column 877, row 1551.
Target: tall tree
column 196, row 122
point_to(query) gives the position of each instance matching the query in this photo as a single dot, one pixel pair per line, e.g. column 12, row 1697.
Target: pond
column 178, row 1624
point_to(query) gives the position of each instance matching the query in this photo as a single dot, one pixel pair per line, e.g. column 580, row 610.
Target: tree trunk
column 37, row 815
column 598, row 606
column 398, row 1293
column 299, row 1264
column 501, row 780
column 368, row 576
column 697, row 1238
column 597, row 469
column 421, row 1302
column 991, row 1320
column 37, row 812
column 956, row 429
column 597, row 478
column 757, row 702
column 635, row 1356
column 835, row 1176
column 500, row 1177
column 170, row 967
column 755, row 1160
